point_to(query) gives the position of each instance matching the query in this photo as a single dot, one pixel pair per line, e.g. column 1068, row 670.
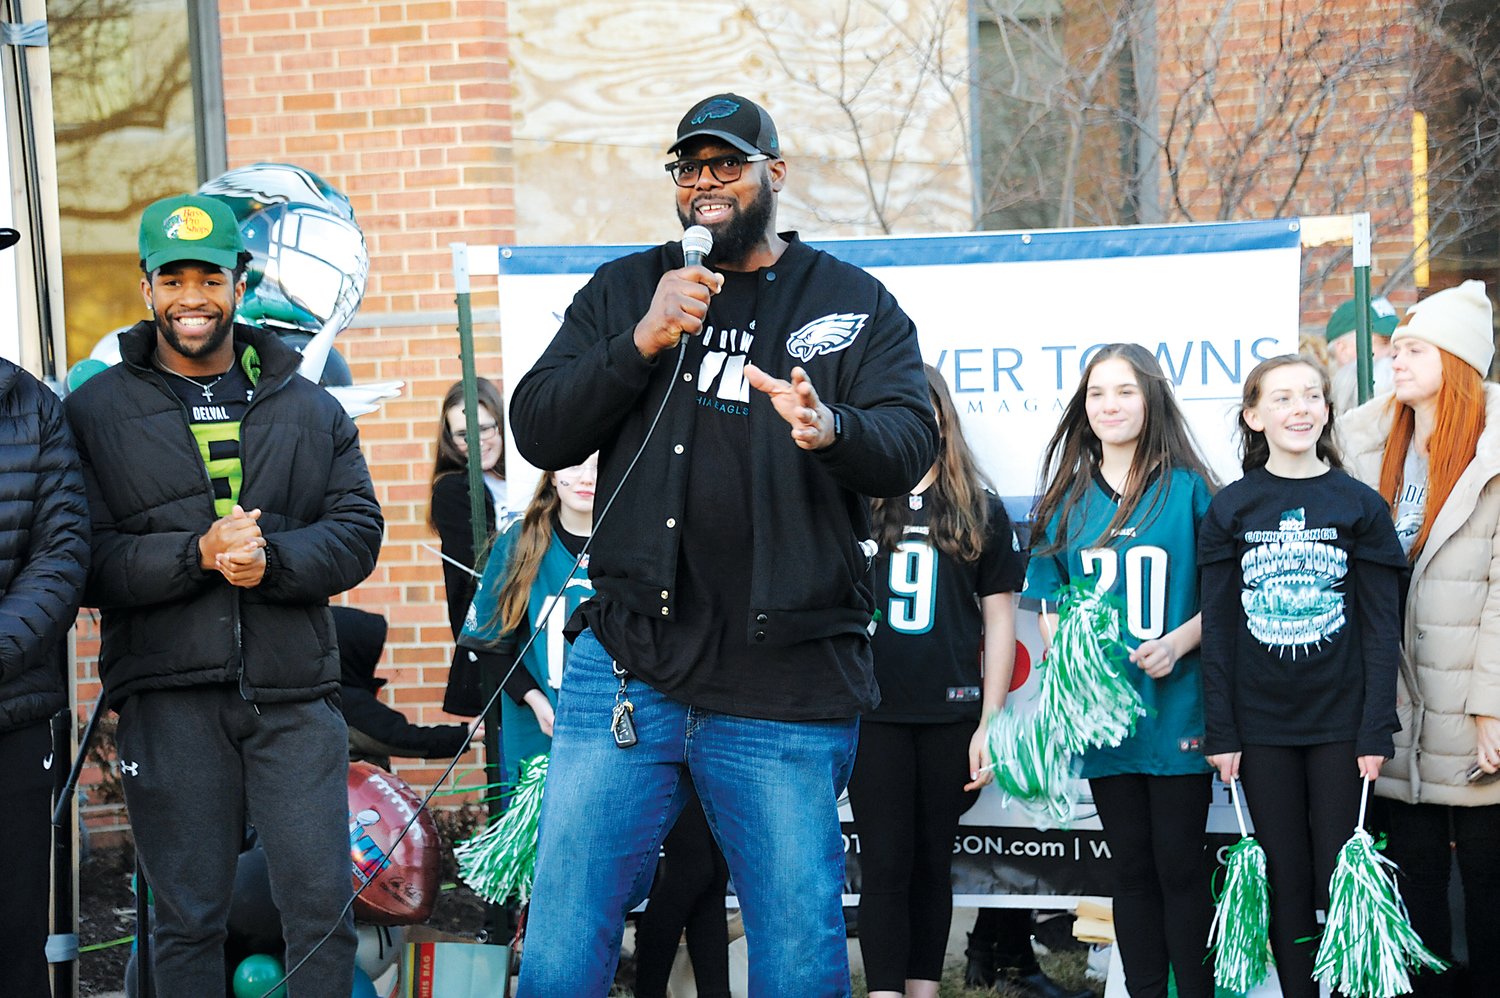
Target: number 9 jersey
column 1151, row 567
column 927, row 643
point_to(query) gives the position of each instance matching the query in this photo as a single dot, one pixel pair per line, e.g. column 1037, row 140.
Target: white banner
column 1010, row 319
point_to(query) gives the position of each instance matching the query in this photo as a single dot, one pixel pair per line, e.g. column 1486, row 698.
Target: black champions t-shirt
column 1301, row 604
column 927, row 643
column 704, row 657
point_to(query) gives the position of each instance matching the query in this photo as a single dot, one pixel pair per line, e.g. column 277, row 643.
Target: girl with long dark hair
column 944, row 578
column 448, row 517
column 1123, row 491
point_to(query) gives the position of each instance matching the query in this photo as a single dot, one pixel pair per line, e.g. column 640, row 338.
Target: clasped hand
column 235, row 548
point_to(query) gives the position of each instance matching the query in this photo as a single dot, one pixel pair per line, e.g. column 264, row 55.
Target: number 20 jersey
column 1151, row 567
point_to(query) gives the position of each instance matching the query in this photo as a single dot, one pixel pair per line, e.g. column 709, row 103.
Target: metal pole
column 62, row 943
column 1364, row 349
column 478, row 494
column 64, row 806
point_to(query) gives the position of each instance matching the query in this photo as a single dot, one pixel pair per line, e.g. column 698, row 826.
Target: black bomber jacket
column 592, row 390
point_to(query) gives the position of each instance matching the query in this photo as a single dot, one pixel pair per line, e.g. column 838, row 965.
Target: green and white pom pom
column 1369, row 946
column 1086, row 699
column 1240, row 934
column 1032, row 768
column 500, row 862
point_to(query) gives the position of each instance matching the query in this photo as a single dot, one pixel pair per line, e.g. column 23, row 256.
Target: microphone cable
column 499, row 687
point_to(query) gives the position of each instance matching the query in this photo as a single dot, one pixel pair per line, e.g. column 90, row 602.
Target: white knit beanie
column 1459, row 320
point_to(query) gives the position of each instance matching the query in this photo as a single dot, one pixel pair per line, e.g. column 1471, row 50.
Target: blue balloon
column 363, row 986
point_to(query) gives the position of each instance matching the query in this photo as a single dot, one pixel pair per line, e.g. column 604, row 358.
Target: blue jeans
column 769, row 790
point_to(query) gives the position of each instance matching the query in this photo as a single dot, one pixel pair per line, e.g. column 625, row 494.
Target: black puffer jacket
column 44, row 547
column 167, row 623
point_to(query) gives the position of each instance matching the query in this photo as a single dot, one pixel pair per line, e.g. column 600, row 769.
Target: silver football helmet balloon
column 309, row 262
column 305, row 279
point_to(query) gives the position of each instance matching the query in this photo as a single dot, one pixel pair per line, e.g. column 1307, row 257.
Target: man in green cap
column 1343, row 350
column 229, row 502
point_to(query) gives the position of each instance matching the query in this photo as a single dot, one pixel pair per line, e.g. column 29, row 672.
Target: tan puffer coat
column 1450, row 666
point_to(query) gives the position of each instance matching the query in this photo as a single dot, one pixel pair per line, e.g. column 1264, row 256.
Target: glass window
column 127, row 117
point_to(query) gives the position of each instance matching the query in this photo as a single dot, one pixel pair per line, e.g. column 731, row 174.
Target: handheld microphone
column 697, row 241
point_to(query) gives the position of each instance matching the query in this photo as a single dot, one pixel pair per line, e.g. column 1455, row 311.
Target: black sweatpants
column 688, row 894
column 26, row 772
column 1304, row 800
column 196, row 764
column 907, row 792
column 1422, row 839
column 1156, row 829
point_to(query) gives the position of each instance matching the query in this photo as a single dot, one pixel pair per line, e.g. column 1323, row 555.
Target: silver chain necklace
column 208, row 395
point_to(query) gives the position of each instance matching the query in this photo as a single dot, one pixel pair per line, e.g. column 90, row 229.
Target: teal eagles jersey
column 1151, row 567
column 521, row 738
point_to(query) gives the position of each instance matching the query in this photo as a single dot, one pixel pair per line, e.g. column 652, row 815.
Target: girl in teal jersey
column 532, row 582
column 1124, row 488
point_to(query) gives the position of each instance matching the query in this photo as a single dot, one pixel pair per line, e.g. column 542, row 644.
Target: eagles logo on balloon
column 309, row 263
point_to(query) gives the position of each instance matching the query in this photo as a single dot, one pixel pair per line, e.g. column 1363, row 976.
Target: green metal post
column 478, row 496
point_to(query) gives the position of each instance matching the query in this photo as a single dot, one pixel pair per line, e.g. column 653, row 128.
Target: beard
column 735, row 238
column 221, row 332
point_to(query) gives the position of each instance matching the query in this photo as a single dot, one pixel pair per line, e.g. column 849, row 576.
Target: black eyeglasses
column 725, row 169
column 487, row 431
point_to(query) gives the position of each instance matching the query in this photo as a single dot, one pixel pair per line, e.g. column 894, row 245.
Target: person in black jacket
column 44, row 549
column 728, row 642
column 229, row 501
column 378, row 731
column 448, row 517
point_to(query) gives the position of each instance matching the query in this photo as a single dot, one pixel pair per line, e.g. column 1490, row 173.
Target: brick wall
column 1301, row 108
column 404, row 107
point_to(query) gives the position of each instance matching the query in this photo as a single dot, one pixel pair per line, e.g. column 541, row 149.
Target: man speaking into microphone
column 727, row 643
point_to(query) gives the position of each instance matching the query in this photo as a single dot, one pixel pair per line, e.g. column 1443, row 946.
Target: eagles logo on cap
column 718, row 107
column 730, row 118
column 188, row 222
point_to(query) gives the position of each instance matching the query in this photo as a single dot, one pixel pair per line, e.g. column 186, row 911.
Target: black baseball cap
column 737, row 120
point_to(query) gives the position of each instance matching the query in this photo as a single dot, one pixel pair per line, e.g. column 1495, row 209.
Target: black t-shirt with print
column 1301, row 605
column 927, row 644
column 703, row 657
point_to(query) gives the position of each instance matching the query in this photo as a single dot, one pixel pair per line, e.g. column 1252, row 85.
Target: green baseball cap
column 190, row 227
column 1383, row 319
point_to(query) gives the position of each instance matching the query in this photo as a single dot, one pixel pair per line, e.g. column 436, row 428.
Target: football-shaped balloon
column 402, row 876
